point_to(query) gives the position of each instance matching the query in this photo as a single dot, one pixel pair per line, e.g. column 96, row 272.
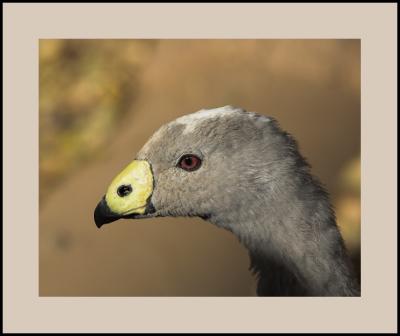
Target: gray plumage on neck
column 289, row 227
column 294, row 244
column 255, row 183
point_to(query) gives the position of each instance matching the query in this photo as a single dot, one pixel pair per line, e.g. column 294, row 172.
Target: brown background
column 101, row 99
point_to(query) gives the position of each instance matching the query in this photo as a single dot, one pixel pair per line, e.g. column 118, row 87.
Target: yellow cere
column 137, row 174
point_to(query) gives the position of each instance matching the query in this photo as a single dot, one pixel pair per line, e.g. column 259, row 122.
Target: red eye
column 189, row 162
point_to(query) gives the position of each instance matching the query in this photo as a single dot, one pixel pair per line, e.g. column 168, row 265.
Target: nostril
column 124, row 190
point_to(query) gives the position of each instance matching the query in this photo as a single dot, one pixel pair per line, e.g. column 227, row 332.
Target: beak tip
column 98, row 223
column 98, row 219
column 102, row 214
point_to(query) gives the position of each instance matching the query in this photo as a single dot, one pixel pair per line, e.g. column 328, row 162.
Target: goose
column 241, row 172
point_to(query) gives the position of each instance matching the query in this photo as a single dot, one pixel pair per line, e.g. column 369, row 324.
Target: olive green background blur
column 100, row 100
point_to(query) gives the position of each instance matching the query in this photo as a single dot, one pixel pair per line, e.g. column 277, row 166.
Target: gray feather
column 254, row 183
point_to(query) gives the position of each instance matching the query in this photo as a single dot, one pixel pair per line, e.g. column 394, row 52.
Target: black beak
column 103, row 214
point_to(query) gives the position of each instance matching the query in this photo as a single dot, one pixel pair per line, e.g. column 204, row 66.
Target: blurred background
column 100, row 100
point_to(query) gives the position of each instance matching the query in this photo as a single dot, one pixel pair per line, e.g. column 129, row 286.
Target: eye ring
column 189, row 162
